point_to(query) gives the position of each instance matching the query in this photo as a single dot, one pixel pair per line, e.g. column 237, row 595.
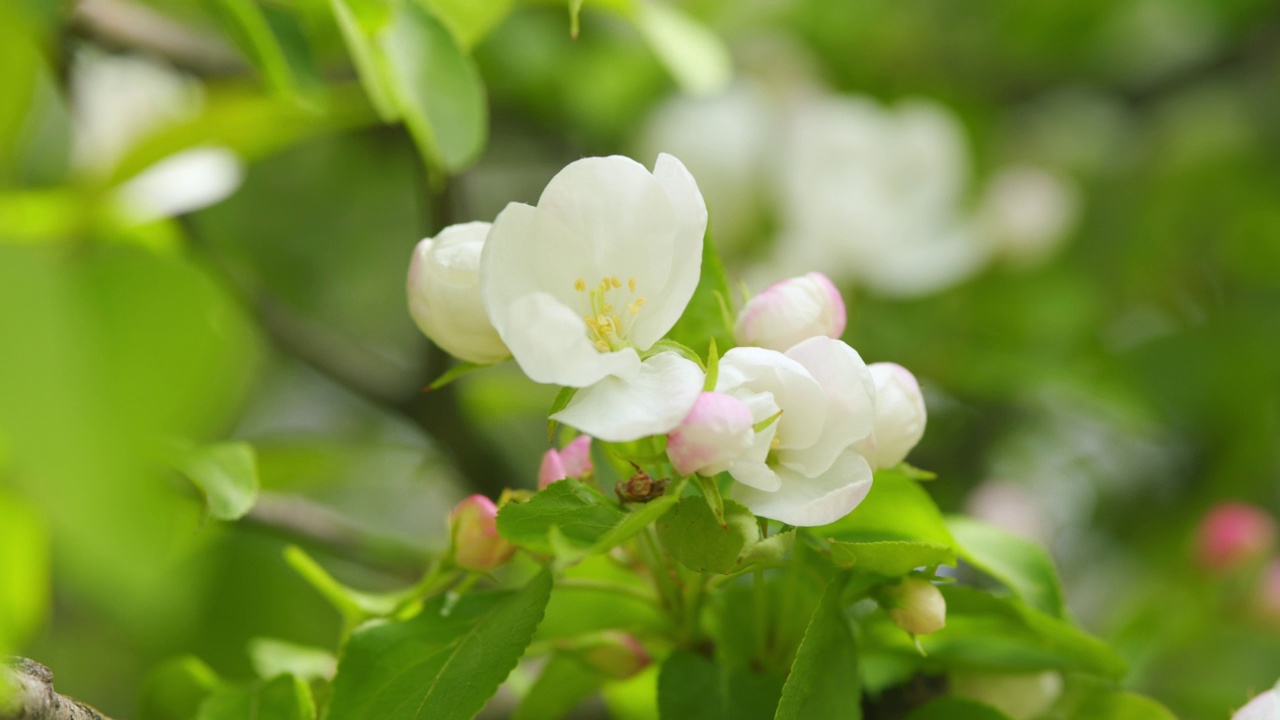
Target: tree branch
column 26, row 691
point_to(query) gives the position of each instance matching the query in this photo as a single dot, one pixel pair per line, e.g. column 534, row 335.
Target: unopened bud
column 790, row 311
column 444, row 294
column 915, row 605
column 717, row 431
column 572, row 461
column 899, row 416
column 473, row 529
column 1233, row 534
column 1020, row 696
column 1264, row 707
column 616, row 654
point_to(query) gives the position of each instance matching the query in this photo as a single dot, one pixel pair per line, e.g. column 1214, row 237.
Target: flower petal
column 653, row 402
column 794, row 390
column 530, row 251
column 549, row 342
column 850, row 394
column 808, row 502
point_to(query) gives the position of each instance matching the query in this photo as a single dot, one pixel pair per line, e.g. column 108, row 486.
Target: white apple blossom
column 802, row 469
column 444, row 294
column 899, row 417
column 790, row 311
column 1263, row 707
column 715, row 433
column 582, row 284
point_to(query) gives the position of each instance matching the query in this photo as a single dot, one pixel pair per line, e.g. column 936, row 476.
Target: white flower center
column 607, row 326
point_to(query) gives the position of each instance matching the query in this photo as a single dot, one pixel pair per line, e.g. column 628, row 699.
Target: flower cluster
column 580, row 289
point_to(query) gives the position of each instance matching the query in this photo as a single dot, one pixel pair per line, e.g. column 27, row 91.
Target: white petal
column 900, row 416
column 803, row 403
column 181, row 183
column 850, row 394
column 549, row 342
column 808, row 502
column 653, row 402
column 444, row 294
column 756, row 474
column 686, row 251
column 530, row 251
column 1264, row 707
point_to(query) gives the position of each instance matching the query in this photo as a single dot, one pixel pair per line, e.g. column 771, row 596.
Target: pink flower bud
column 616, row 654
column 1232, row 534
column 473, row 528
column 790, row 311
column 899, row 416
column 717, row 431
column 915, row 605
column 1264, row 707
column 572, row 461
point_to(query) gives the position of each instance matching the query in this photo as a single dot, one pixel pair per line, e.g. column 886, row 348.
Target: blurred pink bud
column 616, row 654
column 1264, row 707
column 790, row 311
column 915, row 605
column 473, row 528
column 572, row 461
column 900, row 416
column 717, row 431
column 1232, row 534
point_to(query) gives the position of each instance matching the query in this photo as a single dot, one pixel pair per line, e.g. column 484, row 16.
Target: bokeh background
column 1064, row 216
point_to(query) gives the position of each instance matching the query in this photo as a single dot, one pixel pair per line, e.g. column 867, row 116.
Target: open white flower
column 598, row 272
column 802, row 469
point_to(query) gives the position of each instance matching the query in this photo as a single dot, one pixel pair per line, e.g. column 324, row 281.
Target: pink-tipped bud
column 572, row 461
column 616, row 654
column 790, row 311
column 899, row 416
column 1233, row 534
column 473, row 528
column 915, row 605
column 1264, row 707
column 717, row 431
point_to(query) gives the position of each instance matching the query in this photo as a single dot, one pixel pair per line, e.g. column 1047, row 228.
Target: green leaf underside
column 438, row 666
column 890, row 558
column 824, row 677
column 284, row 698
column 949, row 708
column 697, row 540
column 1019, row 564
column 227, row 474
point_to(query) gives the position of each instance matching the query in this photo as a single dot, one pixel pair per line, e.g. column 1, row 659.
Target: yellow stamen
column 580, row 285
column 631, row 284
column 616, row 282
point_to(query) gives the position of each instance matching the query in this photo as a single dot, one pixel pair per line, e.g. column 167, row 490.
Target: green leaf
column 949, row 708
column 890, row 558
column 24, row 565
column 561, row 686
column 360, row 21
column 897, row 508
column 824, row 677
column 640, row 517
column 989, row 633
column 695, row 56
column 271, row 657
column 435, row 87
column 175, row 688
column 692, row 687
column 274, row 42
column 703, row 319
column 443, row 664
column 227, row 474
column 453, row 373
column 575, row 10
column 355, row 606
column 697, row 540
column 284, row 698
column 469, row 20
column 1019, row 564
column 583, row 517
column 1123, row 706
